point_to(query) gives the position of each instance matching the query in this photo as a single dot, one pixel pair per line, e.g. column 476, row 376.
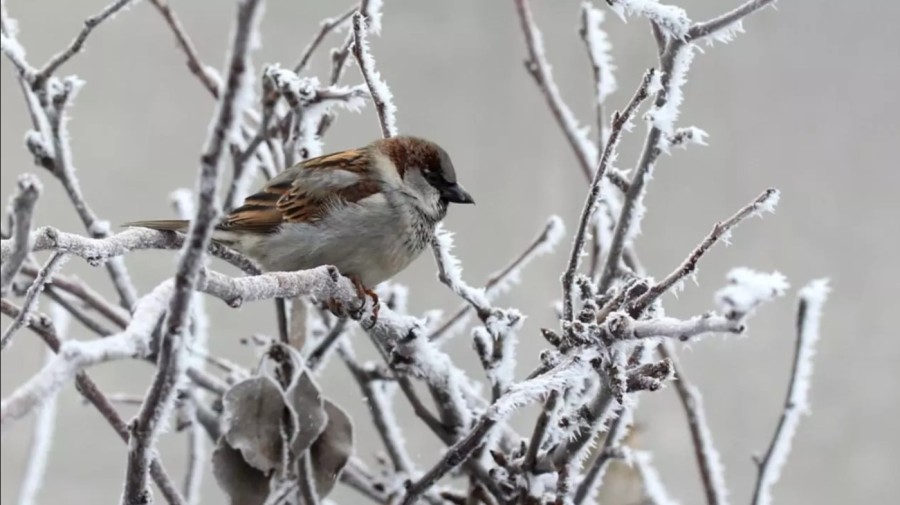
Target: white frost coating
column 813, row 296
column 716, row 468
column 665, row 117
column 653, row 487
column 727, row 33
column 451, row 268
column 376, row 82
column 42, row 437
column 75, row 356
column 747, row 289
column 384, row 392
column 566, row 373
column 373, row 15
column 769, row 204
column 439, row 369
column 600, row 48
column 672, row 19
column 579, row 133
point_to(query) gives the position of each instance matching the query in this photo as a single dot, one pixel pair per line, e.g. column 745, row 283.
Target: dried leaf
column 307, row 403
column 242, row 483
column 331, row 451
column 252, row 415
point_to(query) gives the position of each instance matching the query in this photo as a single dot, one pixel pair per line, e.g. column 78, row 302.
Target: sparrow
column 369, row 211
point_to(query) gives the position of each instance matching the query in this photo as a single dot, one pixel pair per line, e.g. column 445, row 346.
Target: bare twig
column 42, row 437
column 207, row 76
column 381, row 94
column 723, row 22
column 764, row 202
column 85, row 294
column 78, row 42
column 160, row 397
column 21, row 212
column 373, row 389
column 809, row 313
column 42, row 325
column 711, row 470
column 325, row 27
column 544, row 243
column 539, row 68
column 619, row 122
column 31, row 296
column 611, row 448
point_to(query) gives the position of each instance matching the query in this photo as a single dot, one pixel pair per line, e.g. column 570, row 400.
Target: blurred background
column 805, row 101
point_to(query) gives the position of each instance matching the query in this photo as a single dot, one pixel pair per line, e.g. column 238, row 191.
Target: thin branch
column 85, row 294
column 381, row 94
column 207, row 76
column 711, row 470
column 22, row 213
column 725, row 21
column 373, row 390
column 160, row 398
column 77, row 43
column 809, row 314
column 611, row 449
column 539, row 68
column 515, row 397
column 42, row 325
column 32, row 296
column 316, row 357
column 544, row 243
column 619, row 122
column 325, row 27
column 96, row 251
column 623, row 327
column 44, row 426
column 764, row 202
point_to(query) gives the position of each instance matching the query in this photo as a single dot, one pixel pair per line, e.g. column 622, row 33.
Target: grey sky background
column 805, row 101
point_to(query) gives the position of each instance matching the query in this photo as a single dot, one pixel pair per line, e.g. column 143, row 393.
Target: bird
column 369, row 211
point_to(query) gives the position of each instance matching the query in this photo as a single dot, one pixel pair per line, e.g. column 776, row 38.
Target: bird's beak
column 456, row 194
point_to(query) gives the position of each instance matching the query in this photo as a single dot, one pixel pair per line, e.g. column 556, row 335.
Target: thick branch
column 22, row 211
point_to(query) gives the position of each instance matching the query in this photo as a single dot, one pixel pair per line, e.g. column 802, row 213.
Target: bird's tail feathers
column 161, row 224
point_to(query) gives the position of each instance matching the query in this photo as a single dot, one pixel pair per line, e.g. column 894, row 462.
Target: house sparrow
column 369, row 212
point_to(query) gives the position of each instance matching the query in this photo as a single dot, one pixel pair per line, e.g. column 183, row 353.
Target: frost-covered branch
column 765, row 202
column 43, row 326
column 502, row 280
column 719, row 27
column 377, row 393
column 77, row 43
column 598, row 48
column 31, row 296
column 381, row 94
column 171, row 356
column 809, row 315
column 44, row 425
column 97, row 251
column 712, row 472
column 47, row 99
column 619, row 123
column 326, row 26
column 208, row 77
column 539, row 68
column 21, row 211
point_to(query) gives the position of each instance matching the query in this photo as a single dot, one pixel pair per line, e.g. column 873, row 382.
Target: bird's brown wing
column 305, row 192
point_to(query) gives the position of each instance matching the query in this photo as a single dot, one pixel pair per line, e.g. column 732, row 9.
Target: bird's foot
column 362, row 292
